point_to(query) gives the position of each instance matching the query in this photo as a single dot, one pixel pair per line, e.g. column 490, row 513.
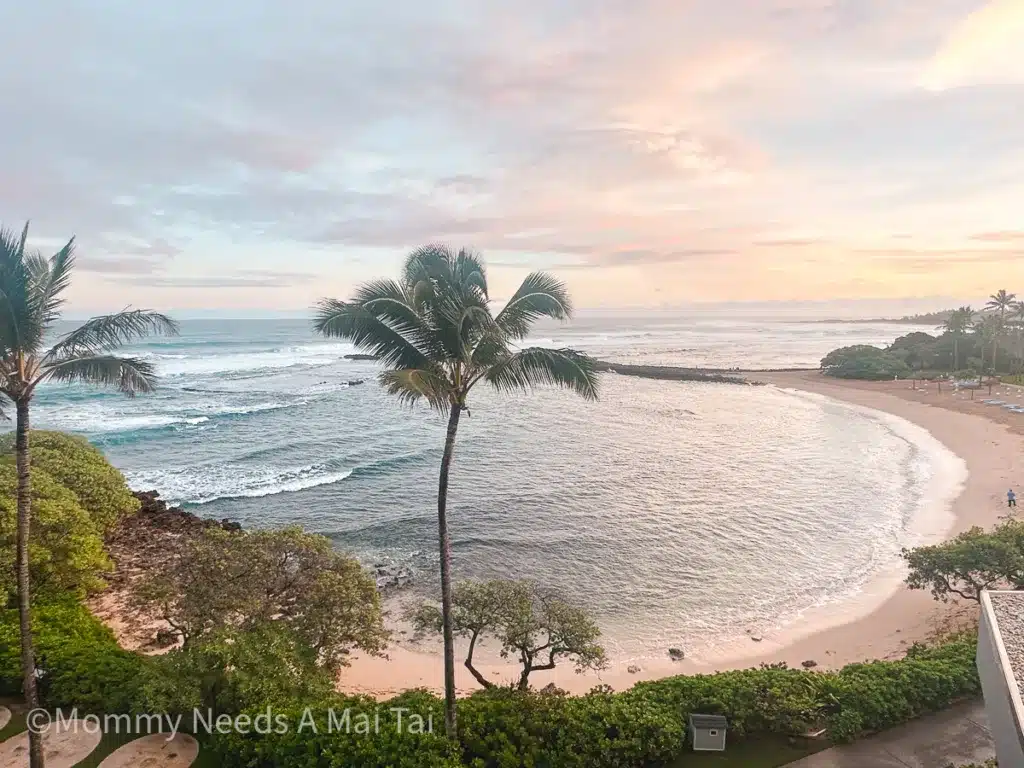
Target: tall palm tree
column 999, row 301
column 31, row 296
column 956, row 325
column 987, row 329
column 434, row 330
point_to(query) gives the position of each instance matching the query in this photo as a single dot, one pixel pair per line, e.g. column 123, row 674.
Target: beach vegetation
column 863, row 361
column 81, row 467
column 535, row 626
column 245, row 672
column 973, row 561
column 32, row 294
column 957, row 325
column 434, row 332
column 222, row 580
column 65, row 551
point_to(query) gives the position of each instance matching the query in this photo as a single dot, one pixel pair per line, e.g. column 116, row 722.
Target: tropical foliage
column 969, row 563
column 863, row 361
column 66, row 547
column 241, row 581
column 972, row 343
column 82, row 468
column 534, row 626
column 32, row 295
column 645, row 725
column 435, row 334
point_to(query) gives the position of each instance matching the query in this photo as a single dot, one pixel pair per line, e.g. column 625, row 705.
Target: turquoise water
column 677, row 512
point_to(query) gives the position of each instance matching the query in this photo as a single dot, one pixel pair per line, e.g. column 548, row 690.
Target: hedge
column 644, row 726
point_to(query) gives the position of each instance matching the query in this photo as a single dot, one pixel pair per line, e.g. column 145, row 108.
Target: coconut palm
column 434, row 331
column 32, row 291
column 999, row 301
column 957, row 325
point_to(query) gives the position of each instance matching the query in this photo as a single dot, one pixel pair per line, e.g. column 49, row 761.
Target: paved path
column 959, row 735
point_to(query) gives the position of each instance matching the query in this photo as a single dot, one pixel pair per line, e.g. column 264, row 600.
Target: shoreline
column 880, row 622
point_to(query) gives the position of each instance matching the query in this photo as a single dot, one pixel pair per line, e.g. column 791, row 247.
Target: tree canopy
column 863, row 361
column 224, row 580
column 969, row 563
column 535, row 626
column 82, row 468
column 66, row 546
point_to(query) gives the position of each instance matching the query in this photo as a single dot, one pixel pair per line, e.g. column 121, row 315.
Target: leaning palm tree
column 1000, row 301
column 32, row 291
column 956, row 325
column 435, row 332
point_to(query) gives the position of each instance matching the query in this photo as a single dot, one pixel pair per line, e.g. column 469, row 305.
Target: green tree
column 66, row 548
column 82, row 468
column 987, row 329
column 969, row 563
column 225, row 580
column 434, row 331
column 957, row 325
column 863, row 361
column 535, row 626
column 1001, row 301
column 32, row 289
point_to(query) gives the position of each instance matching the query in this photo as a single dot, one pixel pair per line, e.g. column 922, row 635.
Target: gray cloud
column 264, row 279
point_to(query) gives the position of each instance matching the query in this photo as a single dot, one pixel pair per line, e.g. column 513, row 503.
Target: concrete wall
column 999, row 702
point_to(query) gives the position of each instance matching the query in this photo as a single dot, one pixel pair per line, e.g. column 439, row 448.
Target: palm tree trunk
column 450, row 725
column 28, row 664
column 956, row 354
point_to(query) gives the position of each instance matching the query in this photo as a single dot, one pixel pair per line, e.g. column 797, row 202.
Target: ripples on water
column 677, row 512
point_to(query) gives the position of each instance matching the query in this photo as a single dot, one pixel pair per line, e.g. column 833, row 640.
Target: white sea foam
column 311, row 355
column 201, row 485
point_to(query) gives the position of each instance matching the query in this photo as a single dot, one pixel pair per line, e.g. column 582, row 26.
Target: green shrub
column 83, row 469
column 644, row 726
column 863, row 361
column 66, row 550
column 320, row 740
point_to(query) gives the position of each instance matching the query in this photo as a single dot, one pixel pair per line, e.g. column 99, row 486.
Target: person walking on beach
column 1011, row 498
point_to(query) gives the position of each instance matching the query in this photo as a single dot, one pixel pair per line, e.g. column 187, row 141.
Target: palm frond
column 470, row 272
column 353, row 322
column 410, row 386
column 53, row 277
column 392, row 303
column 15, row 289
column 540, row 295
column 109, row 332
column 535, row 366
column 131, row 375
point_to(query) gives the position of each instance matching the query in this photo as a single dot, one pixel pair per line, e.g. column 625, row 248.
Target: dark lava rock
column 809, row 664
column 676, row 654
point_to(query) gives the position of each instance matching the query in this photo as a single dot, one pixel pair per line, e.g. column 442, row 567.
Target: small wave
column 205, row 484
column 291, row 486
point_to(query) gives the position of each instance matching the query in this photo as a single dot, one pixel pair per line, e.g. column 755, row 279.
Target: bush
column 645, row 725
column 863, row 361
column 316, row 739
column 82, row 468
column 66, row 548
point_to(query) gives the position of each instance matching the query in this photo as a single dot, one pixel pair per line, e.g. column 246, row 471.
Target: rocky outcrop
column 390, row 577
column 360, row 357
column 673, row 373
column 155, row 512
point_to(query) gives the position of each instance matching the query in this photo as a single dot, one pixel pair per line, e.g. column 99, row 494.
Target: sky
column 256, row 155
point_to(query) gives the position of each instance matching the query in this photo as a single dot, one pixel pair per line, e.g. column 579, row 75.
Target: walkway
column 956, row 736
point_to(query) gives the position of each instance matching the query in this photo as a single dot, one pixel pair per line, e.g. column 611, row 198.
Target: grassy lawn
column 758, row 753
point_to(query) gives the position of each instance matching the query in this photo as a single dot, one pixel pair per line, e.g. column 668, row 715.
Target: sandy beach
column 879, row 623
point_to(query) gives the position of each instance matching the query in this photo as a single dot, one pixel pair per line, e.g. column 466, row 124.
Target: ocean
column 678, row 513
